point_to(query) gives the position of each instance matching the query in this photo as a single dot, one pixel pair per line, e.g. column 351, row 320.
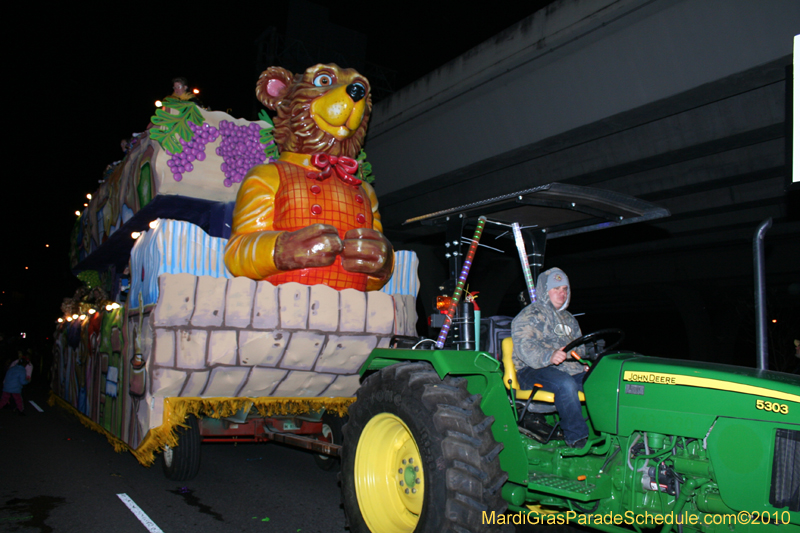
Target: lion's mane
column 296, row 131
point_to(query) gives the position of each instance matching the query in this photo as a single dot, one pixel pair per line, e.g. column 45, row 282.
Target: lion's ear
column 272, row 86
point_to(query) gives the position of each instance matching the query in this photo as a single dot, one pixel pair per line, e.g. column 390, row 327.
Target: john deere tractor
column 436, row 441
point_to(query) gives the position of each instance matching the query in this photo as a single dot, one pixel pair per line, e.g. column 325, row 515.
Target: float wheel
column 182, row 462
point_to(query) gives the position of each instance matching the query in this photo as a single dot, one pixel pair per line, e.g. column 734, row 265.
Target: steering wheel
column 599, row 334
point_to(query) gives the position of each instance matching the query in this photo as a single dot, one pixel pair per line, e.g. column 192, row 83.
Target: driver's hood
column 541, row 288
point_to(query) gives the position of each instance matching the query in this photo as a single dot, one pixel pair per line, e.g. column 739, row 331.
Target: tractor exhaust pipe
column 761, row 296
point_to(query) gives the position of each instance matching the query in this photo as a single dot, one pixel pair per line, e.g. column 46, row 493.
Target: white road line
column 35, row 406
column 138, row 513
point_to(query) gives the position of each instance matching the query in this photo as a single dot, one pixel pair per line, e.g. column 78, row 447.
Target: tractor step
column 570, row 488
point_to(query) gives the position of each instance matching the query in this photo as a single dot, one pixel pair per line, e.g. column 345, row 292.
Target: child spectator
column 16, row 377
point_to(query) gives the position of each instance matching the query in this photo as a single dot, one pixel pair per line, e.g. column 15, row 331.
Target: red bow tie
column 345, row 168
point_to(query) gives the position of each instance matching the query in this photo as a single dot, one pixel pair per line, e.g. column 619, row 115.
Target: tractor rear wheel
column 419, row 455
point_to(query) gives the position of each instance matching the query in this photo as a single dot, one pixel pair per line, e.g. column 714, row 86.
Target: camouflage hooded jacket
column 540, row 329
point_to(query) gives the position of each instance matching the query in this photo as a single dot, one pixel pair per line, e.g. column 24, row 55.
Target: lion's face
column 325, row 109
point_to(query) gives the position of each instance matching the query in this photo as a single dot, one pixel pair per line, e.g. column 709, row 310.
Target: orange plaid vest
column 300, row 202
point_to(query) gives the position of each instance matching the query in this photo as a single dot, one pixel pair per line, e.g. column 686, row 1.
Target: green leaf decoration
column 170, row 128
column 262, row 115
column 267, row 139
column 364, row 168
column 145, row 185
column 90, row 277
column 272, row 151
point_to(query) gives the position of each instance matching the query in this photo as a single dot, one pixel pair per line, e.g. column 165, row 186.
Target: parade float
column 162, row 327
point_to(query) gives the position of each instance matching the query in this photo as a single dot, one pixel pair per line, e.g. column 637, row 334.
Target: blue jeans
column 565, row 389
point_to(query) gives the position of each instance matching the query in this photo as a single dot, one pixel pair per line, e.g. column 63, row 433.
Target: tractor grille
column 785, row 487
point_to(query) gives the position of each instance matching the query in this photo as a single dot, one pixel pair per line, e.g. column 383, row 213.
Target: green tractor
column 434, row 441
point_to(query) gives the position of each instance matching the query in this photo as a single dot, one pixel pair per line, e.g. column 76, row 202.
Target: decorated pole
column 462, row 281
column 523, row 258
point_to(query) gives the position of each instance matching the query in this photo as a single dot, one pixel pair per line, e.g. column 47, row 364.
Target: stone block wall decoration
column 293, row 305
column 223, row 348
column 303, row 350
column 225, row 381
column 352, row 311
column 210, row 305
column 262, row 348
column 191, row 349
column 265, row 308
column 380, row 313
column 218, row 337
column 262, row 382
column 164, row 352
column 176, row 301
column 239, row 302
column 195, row 383
column 344, row 354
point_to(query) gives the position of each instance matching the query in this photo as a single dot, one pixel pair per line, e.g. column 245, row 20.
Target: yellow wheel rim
column 388, row 476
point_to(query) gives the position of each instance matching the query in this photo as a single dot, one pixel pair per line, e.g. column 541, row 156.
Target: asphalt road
column 58, row 476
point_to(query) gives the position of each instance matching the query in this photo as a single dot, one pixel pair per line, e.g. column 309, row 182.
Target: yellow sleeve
column 250, row 250
column 375, row 284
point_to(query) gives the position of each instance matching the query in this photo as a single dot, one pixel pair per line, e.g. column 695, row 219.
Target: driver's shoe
column 580, row 443
column 539, row 428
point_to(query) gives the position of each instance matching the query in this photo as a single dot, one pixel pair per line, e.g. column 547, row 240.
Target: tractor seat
column 510, row 374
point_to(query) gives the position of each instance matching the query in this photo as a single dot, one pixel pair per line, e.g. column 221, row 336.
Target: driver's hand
column 558, row 357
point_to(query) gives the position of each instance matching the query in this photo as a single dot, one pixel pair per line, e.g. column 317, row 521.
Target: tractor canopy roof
column 557, row 208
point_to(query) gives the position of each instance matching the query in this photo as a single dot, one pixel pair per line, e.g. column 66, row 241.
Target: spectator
column 16, row 378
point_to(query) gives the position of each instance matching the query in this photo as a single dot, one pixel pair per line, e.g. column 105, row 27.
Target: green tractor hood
column 748, row 420
column 685, row 397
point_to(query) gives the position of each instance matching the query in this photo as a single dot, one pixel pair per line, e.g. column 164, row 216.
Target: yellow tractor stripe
column 706, row 383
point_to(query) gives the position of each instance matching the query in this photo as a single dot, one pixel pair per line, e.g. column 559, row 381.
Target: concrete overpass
column 679, row 102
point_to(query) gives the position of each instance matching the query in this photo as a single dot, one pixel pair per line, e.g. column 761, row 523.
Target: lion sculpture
column 307, row 218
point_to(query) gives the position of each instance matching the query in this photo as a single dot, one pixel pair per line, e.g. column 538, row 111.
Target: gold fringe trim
column 177, row 409
column 119, row 445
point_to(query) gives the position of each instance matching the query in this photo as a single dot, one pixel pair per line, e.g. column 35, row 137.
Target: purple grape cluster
column 193, row 150
column 240, row 150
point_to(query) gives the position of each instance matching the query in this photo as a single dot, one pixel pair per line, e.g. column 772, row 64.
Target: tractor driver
column 540, row 332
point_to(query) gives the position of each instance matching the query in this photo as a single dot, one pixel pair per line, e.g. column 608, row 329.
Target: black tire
column 461, row 475
column 182, row 462
column 332, row 428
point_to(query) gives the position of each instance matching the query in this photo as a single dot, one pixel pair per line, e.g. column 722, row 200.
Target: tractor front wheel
column 419, row 455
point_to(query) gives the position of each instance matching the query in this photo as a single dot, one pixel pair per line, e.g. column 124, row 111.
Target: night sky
column 86, row 79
